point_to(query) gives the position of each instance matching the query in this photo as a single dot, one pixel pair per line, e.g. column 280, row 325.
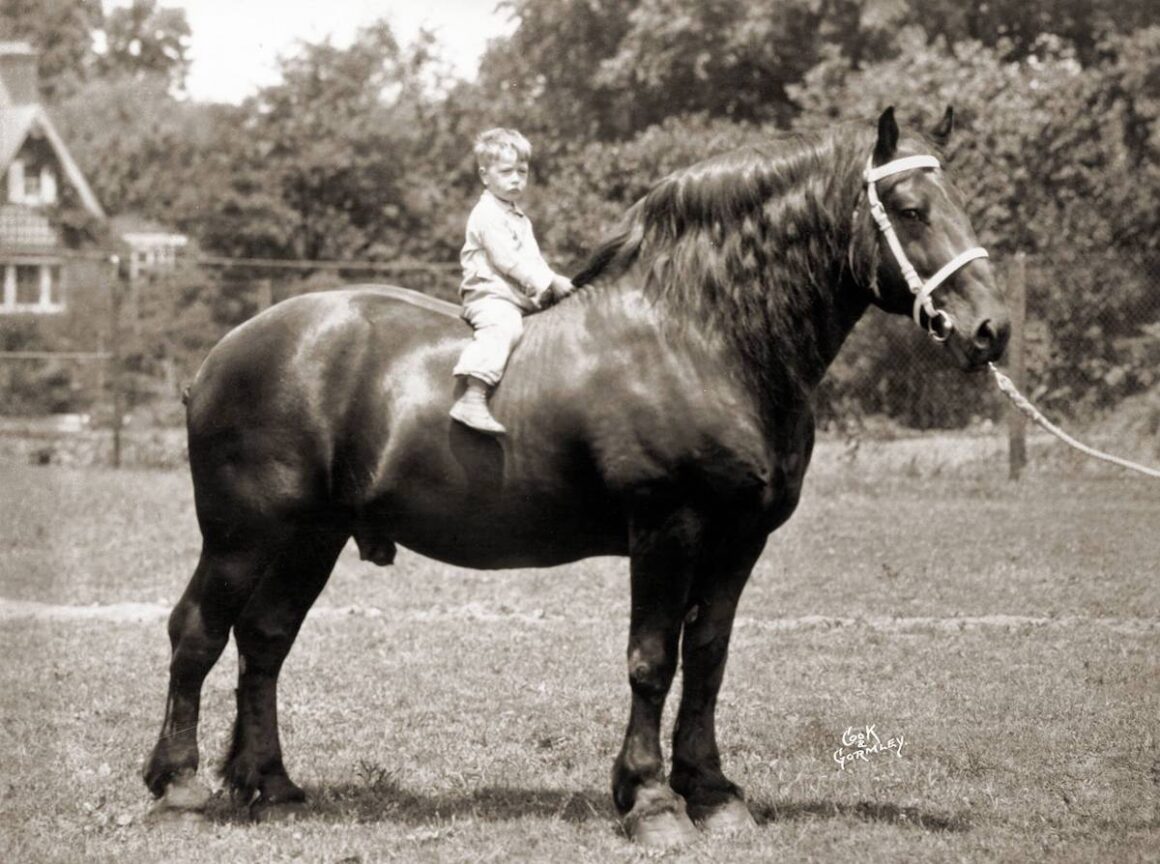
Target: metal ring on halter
column 940, row 334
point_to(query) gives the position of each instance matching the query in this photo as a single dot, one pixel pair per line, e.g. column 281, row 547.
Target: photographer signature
column 862, row 743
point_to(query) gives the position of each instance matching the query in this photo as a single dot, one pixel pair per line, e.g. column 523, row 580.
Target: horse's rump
column 293, row 395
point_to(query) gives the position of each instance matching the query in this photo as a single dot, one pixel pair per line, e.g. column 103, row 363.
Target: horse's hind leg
column 265, row 631
column 198, row 630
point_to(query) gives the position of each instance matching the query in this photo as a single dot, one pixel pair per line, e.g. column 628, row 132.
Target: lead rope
column 1007, row 386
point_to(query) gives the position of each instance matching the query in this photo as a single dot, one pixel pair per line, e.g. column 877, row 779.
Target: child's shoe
column 471, row 409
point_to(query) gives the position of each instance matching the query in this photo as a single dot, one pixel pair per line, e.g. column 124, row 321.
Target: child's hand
column 560, row 288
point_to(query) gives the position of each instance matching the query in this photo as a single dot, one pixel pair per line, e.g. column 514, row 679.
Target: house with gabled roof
column 37, row 172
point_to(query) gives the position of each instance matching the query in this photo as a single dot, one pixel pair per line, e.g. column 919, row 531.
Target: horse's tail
column 618, row 251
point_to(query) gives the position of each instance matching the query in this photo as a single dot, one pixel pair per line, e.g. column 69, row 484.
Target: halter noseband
column 922, row 291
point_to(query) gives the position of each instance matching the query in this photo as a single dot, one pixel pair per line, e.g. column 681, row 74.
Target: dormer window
column 47, row 186
column 30, row 184
column 16, row 182
column 31, row 188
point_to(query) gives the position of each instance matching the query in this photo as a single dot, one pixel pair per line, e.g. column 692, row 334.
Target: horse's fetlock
column 706, row 787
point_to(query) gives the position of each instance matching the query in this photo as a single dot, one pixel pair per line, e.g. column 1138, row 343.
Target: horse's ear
column 942, row 132
column 887, row 137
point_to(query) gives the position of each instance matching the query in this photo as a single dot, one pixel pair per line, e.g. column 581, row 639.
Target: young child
column 504, row 275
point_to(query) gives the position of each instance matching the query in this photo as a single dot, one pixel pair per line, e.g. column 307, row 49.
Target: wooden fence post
column 115, row 376
column 1016, row 363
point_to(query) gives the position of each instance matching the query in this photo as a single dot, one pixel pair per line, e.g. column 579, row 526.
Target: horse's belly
column 465, row 499
column 494, row 539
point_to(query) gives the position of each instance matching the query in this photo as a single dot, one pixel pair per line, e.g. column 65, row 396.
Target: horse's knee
column 650, row 672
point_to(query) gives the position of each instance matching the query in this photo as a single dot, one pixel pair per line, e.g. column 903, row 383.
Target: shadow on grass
column 389, row 802
column 867, row 811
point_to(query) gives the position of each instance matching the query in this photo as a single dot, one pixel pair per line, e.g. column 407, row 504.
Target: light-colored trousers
column 498, row 325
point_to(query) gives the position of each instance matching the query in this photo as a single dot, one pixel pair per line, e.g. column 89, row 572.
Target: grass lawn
column 441, row 714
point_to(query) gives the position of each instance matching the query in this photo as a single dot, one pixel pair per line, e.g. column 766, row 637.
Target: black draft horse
column 663, row 412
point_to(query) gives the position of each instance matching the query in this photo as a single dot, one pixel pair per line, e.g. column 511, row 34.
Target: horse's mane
column 748, row 241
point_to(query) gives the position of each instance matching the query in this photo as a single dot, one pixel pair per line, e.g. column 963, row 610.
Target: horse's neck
column 782, row 346
column 777, row 370
column 814, row 304
column 821, row 329
column 783, row 306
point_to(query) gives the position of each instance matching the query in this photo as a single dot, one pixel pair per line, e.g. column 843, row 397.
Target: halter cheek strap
column 922, row 290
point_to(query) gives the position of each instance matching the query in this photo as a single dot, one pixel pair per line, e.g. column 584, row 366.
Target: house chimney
column 18, row 77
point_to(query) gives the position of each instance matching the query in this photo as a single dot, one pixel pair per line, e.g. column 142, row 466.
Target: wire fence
column 1087, row 340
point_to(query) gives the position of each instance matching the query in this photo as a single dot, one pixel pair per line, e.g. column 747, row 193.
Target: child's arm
column 530, row 271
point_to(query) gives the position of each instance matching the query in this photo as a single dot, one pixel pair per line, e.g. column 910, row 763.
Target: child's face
column 506, row 177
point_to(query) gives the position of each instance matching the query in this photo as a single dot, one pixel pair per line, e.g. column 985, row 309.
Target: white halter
column 922, row 290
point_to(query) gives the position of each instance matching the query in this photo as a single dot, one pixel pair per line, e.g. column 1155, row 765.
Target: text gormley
column 862, row 743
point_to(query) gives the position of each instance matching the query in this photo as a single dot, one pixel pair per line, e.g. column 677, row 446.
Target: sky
column 236, row 43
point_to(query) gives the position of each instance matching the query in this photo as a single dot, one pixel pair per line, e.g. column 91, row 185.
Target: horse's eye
column 912, row 213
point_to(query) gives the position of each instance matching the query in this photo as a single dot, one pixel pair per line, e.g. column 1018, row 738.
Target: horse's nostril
column 985, row 335
column 991, row 337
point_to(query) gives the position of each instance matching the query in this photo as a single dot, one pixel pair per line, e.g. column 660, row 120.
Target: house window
column 16, row 182
column 32, row 288
column 31, row 187
column 47, row 186
column 31, row 184
column 27, row 285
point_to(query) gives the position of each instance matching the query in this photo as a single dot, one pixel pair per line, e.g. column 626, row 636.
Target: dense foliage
column 363, row 152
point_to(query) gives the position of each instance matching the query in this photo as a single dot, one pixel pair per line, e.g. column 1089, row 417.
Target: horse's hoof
column 184, row 802
column 185, row 799
column 729, row 817
column 662, row 826
column 275, row 812
column 160, row 814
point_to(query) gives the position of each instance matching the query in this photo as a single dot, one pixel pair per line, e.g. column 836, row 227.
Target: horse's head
column 930, row 265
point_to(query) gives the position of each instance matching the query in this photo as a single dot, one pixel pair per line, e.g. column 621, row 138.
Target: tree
column 544, row 76
column 729, row 58
column 142, row 150
column 1056, row 159
column 591, row 69
column 321, row 165
column 1020, row 29
column 62, row 31
column 144, row 41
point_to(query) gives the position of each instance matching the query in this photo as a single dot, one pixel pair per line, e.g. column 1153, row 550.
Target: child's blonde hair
column 492, row 144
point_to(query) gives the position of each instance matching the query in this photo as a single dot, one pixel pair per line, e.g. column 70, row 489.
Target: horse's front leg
column 662, row 549
column 714, row 802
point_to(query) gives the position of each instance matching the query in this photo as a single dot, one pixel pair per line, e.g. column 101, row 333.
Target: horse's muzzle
column 987, row 343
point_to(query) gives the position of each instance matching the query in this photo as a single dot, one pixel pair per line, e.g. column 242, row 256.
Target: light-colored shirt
column 500, row 255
